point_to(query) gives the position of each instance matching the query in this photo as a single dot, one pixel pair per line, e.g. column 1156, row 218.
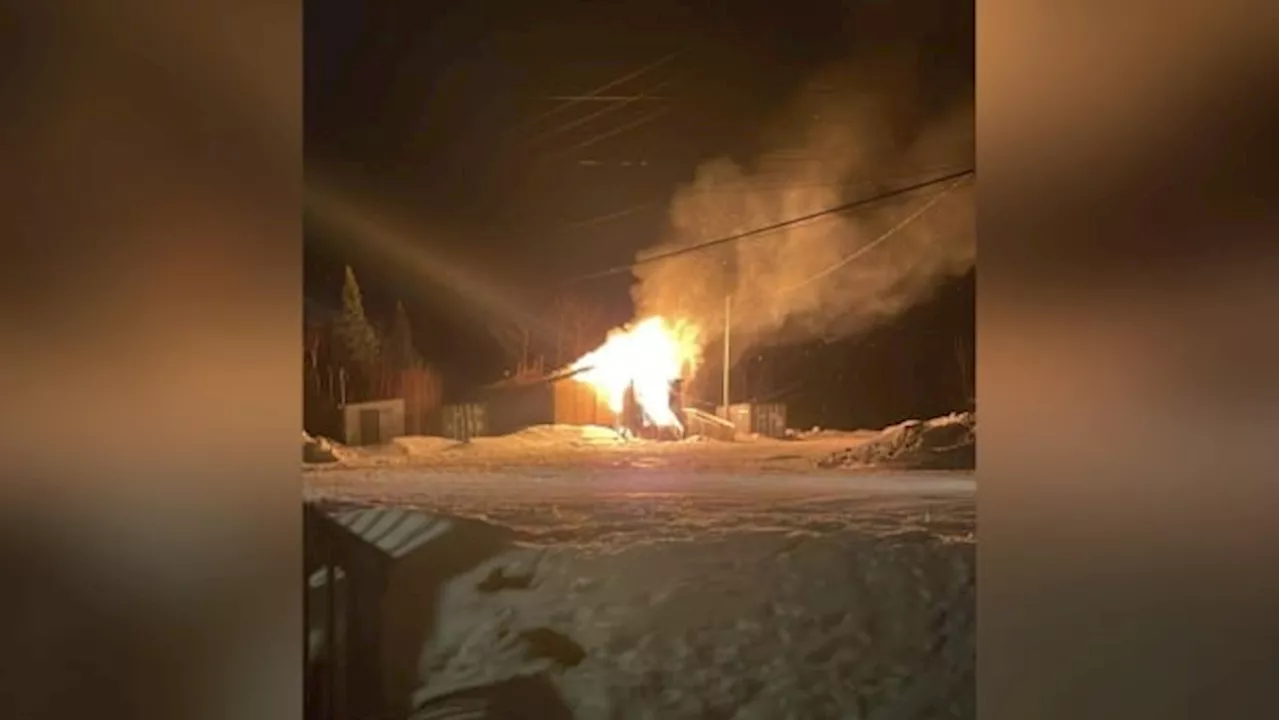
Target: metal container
column 463, row 422
column 765, row 419
column 739, row 414
column 769, row 419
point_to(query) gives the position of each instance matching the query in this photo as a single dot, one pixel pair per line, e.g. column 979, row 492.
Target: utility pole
column 728, row 310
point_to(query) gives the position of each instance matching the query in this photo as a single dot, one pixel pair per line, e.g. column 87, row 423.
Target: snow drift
column 754, row 624
column 944, row 443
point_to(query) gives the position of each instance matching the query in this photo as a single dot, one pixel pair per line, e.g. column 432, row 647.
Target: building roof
column 513, row 383
column 394, row 531
column 450, row 544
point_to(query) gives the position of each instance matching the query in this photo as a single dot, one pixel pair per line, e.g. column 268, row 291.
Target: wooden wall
column 576, row 403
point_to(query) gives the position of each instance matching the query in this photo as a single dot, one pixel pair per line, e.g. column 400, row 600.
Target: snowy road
column 559, row 505
column 685, row 594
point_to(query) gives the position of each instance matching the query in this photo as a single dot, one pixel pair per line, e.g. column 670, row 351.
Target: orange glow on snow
column 651, row 354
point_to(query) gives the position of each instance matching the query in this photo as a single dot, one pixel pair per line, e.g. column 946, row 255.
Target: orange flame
column 649, row 355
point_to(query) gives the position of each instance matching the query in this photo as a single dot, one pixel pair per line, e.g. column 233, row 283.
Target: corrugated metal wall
column 740, row 415
column 463, row 422
column 769, row 419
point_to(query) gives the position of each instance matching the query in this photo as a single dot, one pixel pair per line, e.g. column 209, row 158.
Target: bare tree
column 312, row 335
column 577, row 321
column 515, row 341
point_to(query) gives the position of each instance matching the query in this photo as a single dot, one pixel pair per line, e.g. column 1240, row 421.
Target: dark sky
column 435, row 115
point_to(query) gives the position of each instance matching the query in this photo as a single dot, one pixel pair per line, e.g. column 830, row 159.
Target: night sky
column 436, row 116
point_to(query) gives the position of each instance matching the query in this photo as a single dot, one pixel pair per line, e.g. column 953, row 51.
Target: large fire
column 649, row 355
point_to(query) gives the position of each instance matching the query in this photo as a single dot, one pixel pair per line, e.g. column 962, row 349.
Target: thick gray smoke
column 859, row 129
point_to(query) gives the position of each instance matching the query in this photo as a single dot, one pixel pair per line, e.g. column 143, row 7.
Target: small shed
column 557, row 400
column 373, row 576
column 372, row 423
column 577, row 403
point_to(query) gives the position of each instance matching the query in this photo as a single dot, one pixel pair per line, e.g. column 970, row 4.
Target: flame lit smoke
column 880, row 120
column 649, row 355
column 877, row 121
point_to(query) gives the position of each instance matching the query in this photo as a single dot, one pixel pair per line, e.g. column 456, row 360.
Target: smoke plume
column 876, row 122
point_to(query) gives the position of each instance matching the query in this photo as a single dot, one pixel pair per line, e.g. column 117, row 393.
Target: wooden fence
column 422, row 390
column 326, row 389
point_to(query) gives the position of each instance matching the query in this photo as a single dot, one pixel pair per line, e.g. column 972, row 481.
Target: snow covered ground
column 939, row 443
column 678, row 591
column 593, row 447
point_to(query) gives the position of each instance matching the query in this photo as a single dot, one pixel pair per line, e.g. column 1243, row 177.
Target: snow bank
column 324, row 451
column 420, row 445
column 945, row 442
column 317, row 450
column 537, row 444
column 543, row 438
column 753, row 625
column 564, row 435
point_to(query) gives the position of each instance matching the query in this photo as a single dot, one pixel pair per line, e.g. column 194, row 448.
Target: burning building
column 631, row 382
column 559, row 399
column 638, row 369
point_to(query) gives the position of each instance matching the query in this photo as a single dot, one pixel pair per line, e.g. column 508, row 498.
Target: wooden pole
column 728, row 310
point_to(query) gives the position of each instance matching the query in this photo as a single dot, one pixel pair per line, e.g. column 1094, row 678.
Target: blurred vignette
column 152, row 528
column 153, row 195
column 1127, row 226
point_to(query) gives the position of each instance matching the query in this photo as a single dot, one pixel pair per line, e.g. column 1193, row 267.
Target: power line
column 752, row 186
column 853, row 205
column 871, row 245
column 618, row 130
column 592, row 162
column 742, row 188
column 605, row 98
column 607, row 86
column 580, row 121
column 597, row 219
column 842, row 262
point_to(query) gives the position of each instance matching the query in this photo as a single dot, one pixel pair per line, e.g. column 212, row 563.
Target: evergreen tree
column 400, row 352
column 357, row 340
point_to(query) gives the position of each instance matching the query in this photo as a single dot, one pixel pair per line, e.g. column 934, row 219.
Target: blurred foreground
column 647, row 593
